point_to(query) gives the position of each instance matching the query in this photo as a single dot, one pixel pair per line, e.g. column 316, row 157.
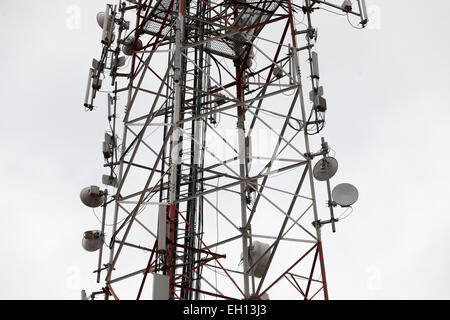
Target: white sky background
column 387, row 91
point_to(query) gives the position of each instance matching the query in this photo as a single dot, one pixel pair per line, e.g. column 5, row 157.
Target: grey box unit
column 161, row 287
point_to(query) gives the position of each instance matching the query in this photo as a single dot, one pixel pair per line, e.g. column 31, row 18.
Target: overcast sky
column 387, row 90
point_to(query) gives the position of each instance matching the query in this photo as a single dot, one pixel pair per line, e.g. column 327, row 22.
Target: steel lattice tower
column 208, row 155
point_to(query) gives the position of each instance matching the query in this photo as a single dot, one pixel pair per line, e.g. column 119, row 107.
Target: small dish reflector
column 92, row 240
column 265, row 297
column 119, row 62
column 256, row 251
column 127, row 47
column 101, row 19
column 91, row 197
column 325, row 169
column 345, row 194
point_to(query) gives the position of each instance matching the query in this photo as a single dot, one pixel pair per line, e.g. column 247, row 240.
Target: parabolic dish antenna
column 92, row 240
column 325, row 169
column 100, row 19
column 345, row 194
column 91, row 197
column 127, row 48
column 101, row 16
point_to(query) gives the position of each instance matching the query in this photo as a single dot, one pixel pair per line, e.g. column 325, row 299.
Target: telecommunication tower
column 210, row 166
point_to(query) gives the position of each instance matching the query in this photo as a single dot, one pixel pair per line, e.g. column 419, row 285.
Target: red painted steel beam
column 311, row 273
column 147, row 270
column 202, row 251
column 324, row 276
column 108, row 285
column 288, row 270
column 207, row 248
column 193, row 269
column 294, row 285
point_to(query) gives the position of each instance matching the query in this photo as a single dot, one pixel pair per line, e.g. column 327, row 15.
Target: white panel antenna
column 315, row 65
column 108, row 26
column 162, row 228
column 88, row 89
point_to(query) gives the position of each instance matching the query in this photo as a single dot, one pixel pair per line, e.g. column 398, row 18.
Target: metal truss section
column 211, row 190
